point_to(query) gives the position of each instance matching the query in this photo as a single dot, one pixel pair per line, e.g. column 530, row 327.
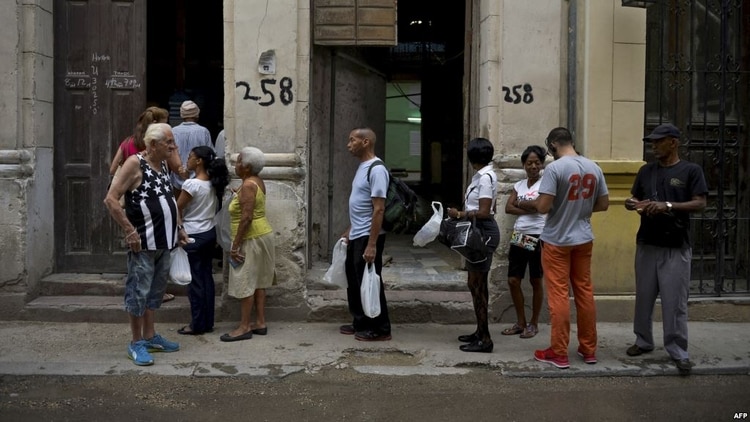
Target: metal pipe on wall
column 331, row 141
column 572, row 66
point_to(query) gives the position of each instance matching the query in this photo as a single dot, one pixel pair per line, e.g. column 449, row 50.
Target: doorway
column 112, row 60
column 411, row 94
column 185, row 59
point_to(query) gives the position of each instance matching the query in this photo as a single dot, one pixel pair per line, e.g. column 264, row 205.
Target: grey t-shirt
column 360, row 200
column 576, row 183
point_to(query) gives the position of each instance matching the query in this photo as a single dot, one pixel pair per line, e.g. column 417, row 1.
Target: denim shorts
column 147, row 280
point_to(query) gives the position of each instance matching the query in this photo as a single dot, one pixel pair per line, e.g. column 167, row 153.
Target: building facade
column 292, row 77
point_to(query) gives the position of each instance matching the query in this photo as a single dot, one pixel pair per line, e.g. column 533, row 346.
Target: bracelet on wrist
column 180, row 227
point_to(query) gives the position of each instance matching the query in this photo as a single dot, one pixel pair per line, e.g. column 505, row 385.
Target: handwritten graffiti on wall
column 90, row 81
column 517, row 97
column 94, row 89
column 267, row 97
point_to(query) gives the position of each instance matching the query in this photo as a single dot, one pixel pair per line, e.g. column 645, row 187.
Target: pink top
column 128, row 148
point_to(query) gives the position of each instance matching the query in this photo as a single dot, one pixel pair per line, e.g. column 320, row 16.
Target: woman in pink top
column 134, row 144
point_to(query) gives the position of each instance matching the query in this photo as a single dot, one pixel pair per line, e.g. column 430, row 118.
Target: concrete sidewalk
column 44, row 348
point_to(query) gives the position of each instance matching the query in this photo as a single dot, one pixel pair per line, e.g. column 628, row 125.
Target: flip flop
column 530, row 331
column 167, row 297
column 512, row 331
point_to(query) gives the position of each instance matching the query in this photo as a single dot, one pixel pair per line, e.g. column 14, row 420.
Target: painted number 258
column 581, row 187
column 285, row 91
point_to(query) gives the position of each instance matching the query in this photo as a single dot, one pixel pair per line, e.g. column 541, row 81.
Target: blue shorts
column 147, row 280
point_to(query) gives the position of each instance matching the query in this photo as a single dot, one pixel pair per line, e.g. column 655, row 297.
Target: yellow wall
column 614, row 246
column 610, row 111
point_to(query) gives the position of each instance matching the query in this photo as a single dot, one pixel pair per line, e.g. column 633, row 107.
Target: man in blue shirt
column 365, row 236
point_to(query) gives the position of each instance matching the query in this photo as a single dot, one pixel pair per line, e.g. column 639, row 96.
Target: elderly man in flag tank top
column 151, row 224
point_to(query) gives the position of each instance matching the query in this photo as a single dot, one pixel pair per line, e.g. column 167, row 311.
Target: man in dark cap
column 665, row 192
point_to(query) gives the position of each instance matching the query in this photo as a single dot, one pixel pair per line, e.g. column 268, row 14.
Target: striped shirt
column 152, row 209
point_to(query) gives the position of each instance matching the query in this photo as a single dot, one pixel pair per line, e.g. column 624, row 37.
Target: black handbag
column 465, row 237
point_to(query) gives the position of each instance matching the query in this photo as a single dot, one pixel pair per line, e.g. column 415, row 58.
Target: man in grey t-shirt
column 572, row 188
column 365, row 236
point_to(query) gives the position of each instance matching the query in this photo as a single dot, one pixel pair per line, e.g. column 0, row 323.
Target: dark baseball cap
column 662, row 131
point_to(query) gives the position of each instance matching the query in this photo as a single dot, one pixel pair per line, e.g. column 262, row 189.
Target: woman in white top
column 481, row 195
column 199, row 202
column 524, row 244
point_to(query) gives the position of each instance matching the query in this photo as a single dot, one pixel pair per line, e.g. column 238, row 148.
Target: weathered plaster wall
column 12, row 200
column 530, row 95
column 37, row 117
column 26, row 100
column 270, row 122
column 519, row 75
column 268, row 110
column 9, row 95
column 527, row 95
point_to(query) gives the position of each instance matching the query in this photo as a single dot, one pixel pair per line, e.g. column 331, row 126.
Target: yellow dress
column 258, row 247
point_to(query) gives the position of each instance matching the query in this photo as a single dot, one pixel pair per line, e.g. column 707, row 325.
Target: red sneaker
column 590, row 359
column 547, row 355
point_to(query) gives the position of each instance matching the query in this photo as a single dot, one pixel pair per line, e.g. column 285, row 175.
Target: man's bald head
column 361, row 143
column 366, row 133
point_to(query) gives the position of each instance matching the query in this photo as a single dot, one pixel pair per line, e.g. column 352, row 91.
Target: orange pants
column 566, row 266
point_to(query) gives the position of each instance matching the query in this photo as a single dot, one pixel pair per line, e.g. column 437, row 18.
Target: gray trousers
column 664, row 272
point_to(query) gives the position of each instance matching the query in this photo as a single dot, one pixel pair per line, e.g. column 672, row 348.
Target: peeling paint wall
column 26, row 100
column 266, row 80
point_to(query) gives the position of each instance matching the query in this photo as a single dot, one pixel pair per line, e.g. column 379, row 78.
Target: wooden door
column 100, row 65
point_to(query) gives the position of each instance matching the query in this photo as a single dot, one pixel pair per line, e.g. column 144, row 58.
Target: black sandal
column 187, row 331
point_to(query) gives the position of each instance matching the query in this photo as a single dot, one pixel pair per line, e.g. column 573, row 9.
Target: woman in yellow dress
column 252, row 255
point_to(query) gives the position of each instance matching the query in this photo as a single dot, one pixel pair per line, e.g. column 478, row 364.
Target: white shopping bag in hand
column 336, row 274
column 430, row 230
column 179, row 269
column 370, row 292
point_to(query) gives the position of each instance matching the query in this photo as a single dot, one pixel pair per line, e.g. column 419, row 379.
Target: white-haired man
column 151, row 224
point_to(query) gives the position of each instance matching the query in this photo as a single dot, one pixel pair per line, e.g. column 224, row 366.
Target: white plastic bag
column 224, row 223
column 336, row 274
column 430, row 230
column 370, row 292
column 179, row 269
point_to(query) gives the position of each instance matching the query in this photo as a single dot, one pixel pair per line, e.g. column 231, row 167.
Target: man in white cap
column 188, row 135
